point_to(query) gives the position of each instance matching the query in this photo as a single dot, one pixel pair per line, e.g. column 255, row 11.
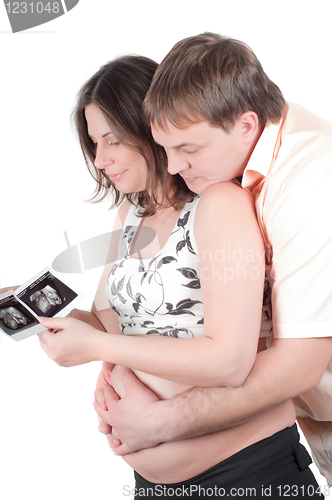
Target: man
column 218, row 116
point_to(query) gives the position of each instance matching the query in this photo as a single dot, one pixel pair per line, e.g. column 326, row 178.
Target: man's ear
column 250, row 127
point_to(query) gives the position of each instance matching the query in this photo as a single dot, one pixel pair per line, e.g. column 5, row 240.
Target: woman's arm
column 87, row 317
column 232, row 288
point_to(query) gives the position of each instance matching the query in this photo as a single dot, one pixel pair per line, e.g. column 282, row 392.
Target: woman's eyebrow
column 104, row 135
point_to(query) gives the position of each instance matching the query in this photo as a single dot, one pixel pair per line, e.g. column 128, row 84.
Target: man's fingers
column 134, row 388
column 128, row 379
column 121, row 450
column 104, row 428
column 115, row 436
column 114, row 443
column 99, row 409
column 110, row 395
column 105, row 403
column 101, row 406
column 100, row 398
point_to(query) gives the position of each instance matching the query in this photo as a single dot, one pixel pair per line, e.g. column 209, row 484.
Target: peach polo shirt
column 290, row 175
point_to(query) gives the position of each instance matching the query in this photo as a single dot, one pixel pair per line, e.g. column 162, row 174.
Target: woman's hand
column 68, row 341
column 7, row 288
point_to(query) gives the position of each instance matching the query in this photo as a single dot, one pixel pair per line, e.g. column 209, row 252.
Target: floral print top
column 162, row 294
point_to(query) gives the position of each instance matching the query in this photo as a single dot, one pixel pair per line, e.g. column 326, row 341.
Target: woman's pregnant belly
column 178, row 461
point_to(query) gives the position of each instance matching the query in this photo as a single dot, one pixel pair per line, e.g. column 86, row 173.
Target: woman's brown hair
column 118, row 90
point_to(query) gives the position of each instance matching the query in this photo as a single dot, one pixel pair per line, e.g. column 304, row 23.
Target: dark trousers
column 276, row 467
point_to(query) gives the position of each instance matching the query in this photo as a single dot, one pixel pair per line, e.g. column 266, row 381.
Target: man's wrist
column 162, row 416
column 170, row 420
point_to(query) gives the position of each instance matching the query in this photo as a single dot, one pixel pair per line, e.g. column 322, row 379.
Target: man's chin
column 200, row 185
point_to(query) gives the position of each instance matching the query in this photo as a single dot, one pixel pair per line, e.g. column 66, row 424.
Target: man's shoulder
column 299, row 119
column 305, row 154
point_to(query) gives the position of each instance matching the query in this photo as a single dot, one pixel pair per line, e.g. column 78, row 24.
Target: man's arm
column 289, row 368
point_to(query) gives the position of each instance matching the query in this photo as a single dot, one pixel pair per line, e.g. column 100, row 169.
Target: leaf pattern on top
column 190, row 273
column 183, row 306
column 171, row 332
column 150, row 273
column 185, row 243
column 165, row 260
column 182, row 222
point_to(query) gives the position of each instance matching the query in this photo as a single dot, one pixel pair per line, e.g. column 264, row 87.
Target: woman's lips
column 116, row 177
column 189, row 179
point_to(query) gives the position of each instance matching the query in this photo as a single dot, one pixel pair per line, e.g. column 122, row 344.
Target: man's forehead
column 177, row 136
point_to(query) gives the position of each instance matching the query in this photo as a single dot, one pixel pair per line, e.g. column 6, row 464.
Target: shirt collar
column 262, row 156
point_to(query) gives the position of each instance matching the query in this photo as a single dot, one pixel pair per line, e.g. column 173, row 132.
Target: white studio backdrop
column 50, row 447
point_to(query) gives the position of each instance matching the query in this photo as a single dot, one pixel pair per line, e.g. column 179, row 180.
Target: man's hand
column 128, row 433
column 104, row 379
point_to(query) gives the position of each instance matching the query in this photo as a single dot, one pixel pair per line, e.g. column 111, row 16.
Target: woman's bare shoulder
column 226, row 196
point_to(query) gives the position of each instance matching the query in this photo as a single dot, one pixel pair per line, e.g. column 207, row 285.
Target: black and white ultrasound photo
column 43, row 295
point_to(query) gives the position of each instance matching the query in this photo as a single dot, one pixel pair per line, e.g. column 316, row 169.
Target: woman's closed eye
column 190, row 152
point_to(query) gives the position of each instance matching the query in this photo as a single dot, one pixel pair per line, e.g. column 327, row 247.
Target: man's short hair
column 211, row 78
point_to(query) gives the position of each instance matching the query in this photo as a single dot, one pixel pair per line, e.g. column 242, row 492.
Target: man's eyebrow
column 179, row 146
column 184, row 145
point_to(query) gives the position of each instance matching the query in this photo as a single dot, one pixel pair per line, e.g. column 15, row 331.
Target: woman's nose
column 102, row 158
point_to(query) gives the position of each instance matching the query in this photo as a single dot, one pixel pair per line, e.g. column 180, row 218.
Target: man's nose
column 176, row 165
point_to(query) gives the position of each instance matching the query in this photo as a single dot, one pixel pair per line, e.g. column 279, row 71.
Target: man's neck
column 253, row 144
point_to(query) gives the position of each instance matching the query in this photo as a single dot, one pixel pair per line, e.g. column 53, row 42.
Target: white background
column 50, row 447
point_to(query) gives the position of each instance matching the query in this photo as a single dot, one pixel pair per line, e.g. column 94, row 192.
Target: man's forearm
column 289, row 368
